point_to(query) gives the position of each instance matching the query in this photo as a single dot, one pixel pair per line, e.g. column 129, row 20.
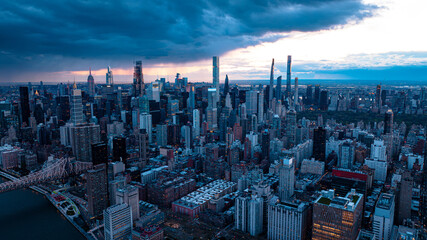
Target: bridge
column 57, row 169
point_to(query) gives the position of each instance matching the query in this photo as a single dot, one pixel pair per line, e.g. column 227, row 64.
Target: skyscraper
column 97, row 189
column 316, row 95
column 118, row 222
column 309, row 95
column 146, row 122
column 324, row 101
column 286, row 179
column 196, row 123
column 215, row 75
column 378, row 98
column 384, row 216
column 279, row 88
column 129, row 195
column 319, row 144
column 288, row 77
column 142, row 137
column 251, row 102
column 337, row 217
column 249, row 214
column 25, row 105
column 90, row 84
column 76, row 106
column 296, row 100
column 226, row 85
column 109, row 77
column 82, row 138
column 138, row 80
column 270, row 93
column 291, row 127
column 388, row 122
column 99, row 153
column 119, row 149
column 405, row 197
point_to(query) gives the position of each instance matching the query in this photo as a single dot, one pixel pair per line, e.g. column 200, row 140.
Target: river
column 26, row 214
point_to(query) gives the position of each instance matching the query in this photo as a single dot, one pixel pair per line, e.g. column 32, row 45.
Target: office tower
column 99, row 153
column 405, row 197
column 286, row 179
column 142, row 138
column 346, row 155
column 260, row 109
column 82, row 138
column 279, row 89
column 383, row 217
column 117, row 222
column 90, row 84
column 162, row 134
column 146, row 122
column 129, row 194
column 270, row 93
column 319, row 144
column 388, row 122
column 215, row 76
column 378, row 98
column 192, row 98
column 76, row 106
column 316, row 95
column 119, row 149
column 265, row 144
column 186, row 135
column 25, row 105
column 251, row 102
column 226, row 85
column 97, row 189
column 288, row 220
column 211, row 98
column 324, row 100
column 378, row 150
column 196, row 123
column 138, row 80
column 296, row 100
column 109, row 77
column 337, row 217
column 291, row 127
column 288, row 77
column 309, row 95
column 249, row 214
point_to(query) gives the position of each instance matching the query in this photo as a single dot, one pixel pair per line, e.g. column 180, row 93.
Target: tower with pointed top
column 91, row 83
column 288, row 77
column 226, row 86
column 270, row 94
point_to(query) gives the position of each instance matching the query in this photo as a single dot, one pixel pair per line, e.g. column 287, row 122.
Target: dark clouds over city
column 66, row 35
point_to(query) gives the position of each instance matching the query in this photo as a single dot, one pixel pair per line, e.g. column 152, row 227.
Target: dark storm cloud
column 32, row 32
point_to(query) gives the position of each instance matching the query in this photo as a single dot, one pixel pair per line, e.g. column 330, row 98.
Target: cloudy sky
column 59, row 40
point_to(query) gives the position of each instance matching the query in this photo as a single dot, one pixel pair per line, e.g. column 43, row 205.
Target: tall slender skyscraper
column 226, row 86
column 91, row 83
column 270, row 94
column 378, row 97
column 138, row 80
column 296, row 104
column 109, row 77
column 288, row 77
column 388, row 122
column 76, row 106
column 25, row 105
column 286, row 179
column 215, row 75
column 279, row 88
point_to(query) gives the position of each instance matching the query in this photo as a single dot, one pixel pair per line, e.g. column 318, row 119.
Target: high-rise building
column 324, row 100
column 129, row 195
column 146, row 122
column 251, row 102
column 388, row 122
column 76, row 106
column 288, row 77
column 378, row 150
column 249, row 214
column 291, row 127
column 196, row 123
column 309, row 95
column 346, row 155
column 296, row 100
column 319, row 144
column 109, row 77
column 162, row 134
column 316, row 95
column 117, row 222
column 378, row 98
column 383, row 217
column 288, row 220
column 215, row 76
column 119, row 149
column 270, row 93
column 279, row 88
column 99, row 153
column 82, row 138
column 90, row 84
column 97, row 189
column 138, row 80
column 25, row 105
column 226, row 85
column 405, row 197
column 286, row 179
column 337, row 217
column 260, row 108
column 265, row 144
